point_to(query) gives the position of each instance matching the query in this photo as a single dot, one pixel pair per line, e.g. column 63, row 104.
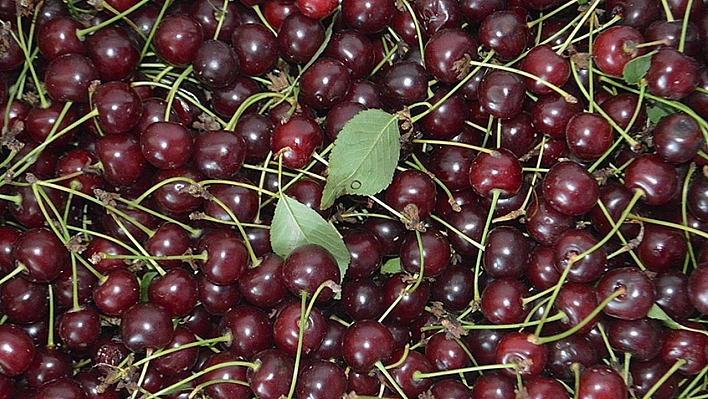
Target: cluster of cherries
column 545, row 234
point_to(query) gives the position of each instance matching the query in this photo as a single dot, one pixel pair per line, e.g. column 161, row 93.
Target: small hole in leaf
column 356, row 184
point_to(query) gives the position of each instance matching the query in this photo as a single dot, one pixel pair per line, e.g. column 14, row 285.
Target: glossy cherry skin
column 227, row 257
column 251, row 330
column 435, row 256
column 446, row 53
column 516, row 348
column 573, row 243
column 499, row 170
column 698, row 289
column 79, row 329
column 224, row 390
column 501, row 301
column 687, row 345
column 412, row 192
column 454, row 288
column 446, row 353
column 47, row 365
column 601, row 382
column 637, row 14
column 543, row 62
column 219, row 154
column 68, row 77
column 215, row 64
column 324, row 84
column 113, row 53
column 119, row 107
column 563, row 353
column 404, row 83
column 656, row 178
column 23, row 301
column 641, row 337
column 287, row 327
column 119, row 291
column 146, row 325
column 615, row 47
column 672, row 294
column 368, row 16
column 493, row 385
column 646, row 374
column 16, row 352
column 307, row 267
column 321, row 379
column 677, row 138
column 41, row 253
column 271, row 380
column 501, row 93
column 405, row 373
column 673, row 75
column 58, row 36
column 411, row 305
column 505, row 32
column 448, row 119
column 570, row 188
column 256, row 48
column 297, row 139
column 263, row 285
column 639, row 296
column 217, row 299
column 577, row 301
column 588, row 136
column 177, row 39
column 506, row 252
column 299, row 37
column 62, row 388
column 182, row 360
column 121, row 158
column 176, row 290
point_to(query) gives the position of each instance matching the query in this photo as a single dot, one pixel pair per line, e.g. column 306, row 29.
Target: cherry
column 506, row 252
column 296, row 140
column 119, row 291
column 454, row 288
column 577, row 301
column 501, row 93
column 698, row 289
column 499, row 171
column 677, row 138
column 447, row 52
column 615, row 47
column 697, row 197
column 446, row 353
column 656, row 178
column 502, row 301
column 256, row 131
column 369, row 16
column 146, row 325
column 639, row 296
column 79, row 328
column 307, row 268
column 412, row 192
column 271, row 379
column 182, row 360
column 331, row 346
column 263, row 285
column 227, row 257
column 406, row 373
column 47, row 365
column 321, row 379
column 177, row 39
column 543, row 62
column 448, row 119
column 299, row 37
column 673, row 75
column 256, row 48
column 544, row 223
column 113, row 53
column 672, row 294
column 227, row 100
column 57, row 36
column 217, row 299
column 573, row 243
column 166, row 145
column 493, row 385
column 570, row 188
column 687, row 345
column 41, row 253
column 249, row 329
column 215, row 64
column 639, row 337
column 404, row 83
column 218, row 389
column 68, row 77
column 435, row 253
column 529, row 359
column 365, row 343
column 567, row 351
column 620, row 109
column 176, row 291
column 436, row 15
column 411, row 304
column 362, row 299
column 505, row 32
column 23, row 301
column 541, row 271
column 16, row 352
column 589, row 136
column 551, row 114
column 364, row 92
column 662, row 248
column 646, row 374
column 637, row 14
column 62, row 388
column 121, row 159
column 286, row 329
column 601, row 382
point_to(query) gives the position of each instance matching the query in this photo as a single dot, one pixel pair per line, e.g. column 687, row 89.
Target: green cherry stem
column 173, row 91
column 417, row 375
column 587, row 13
column 669, row 224
column 239, row 226
column 674, row 368
column 199, row 343
column 684, row 26
column 198, row 374
column 390, row 379
column 478, row 262
column 20, row 39
column 684, row 215
column 454, row 144
column 667, row 11
column 421, row 259
column 544, row 340
column 50, row 323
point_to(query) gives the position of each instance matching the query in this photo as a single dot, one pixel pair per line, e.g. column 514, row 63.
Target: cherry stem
column 83, row 32
column 151, row 35
column 194, row 232
column 585, row 15
column 164, row 352
column 141, row 378
column 398, row 299
column 454, row 144
column 387, row 57
column 421, row 259
column 674, row 368
column 699, row 378
column 466, row 326
column 478, row 263
column 552, row 299
column 660, row 42
column 187, row 97
column 537, row 295
column 257, row 9
column 555, row 11
column 632, row 142
column 137, row 245
column 173, row 91
column 198, row 374
column 18, row 269
column 246, row 241
column 667, row 11
column 417, row 375
column 575, row 367
column 390, row 379
column 615, row 294
column 626, row 245
column 404, row 355
column 453, row 229
column 202, row 257
column 669, row 224
column 418, row 33
column 221, row 15
column 50, row 322
column 684, row 26
column 684, row 214
column 300, row 338
column 74, row 283
column 20, row 39
column 15, row 199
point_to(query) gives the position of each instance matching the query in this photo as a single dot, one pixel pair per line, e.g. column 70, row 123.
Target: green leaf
column 656, row 111
column 635, row 69
column 392, row 266
column 658, row 313
column 295, row 224
column 364, row 156
column 145, row 284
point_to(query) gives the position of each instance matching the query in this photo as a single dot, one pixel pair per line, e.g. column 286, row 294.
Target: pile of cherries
column 545, row 234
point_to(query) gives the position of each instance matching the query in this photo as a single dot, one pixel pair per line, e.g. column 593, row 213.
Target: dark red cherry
column 529, row 358
column 405, row 373
column 646, row 374
column 146, row 325
column 299, row 37
column 446, row 353
column 435, row 256
column 16, row 350
column 672, row 75
column 321, row 379
column 505, row 32
column 639, row 296
column 656, row 178
column 498, row 170
column 588, row 136
column 215, row 64
column 543, row 62
column 286, row 329
column 502, row 301
column 506, row 252
column 324, row 83
column 570, row 188
column 79, row 328
column 365, row 343
column 410, row 304
column 221, row 378
column 113, row 53
column 412, row 192
column 119, row 107
column 502, row 94
column 176, row 291
column 177, row 39
column 182, row 360
column 297, row 139
column 271, row 380
column 23, row 301
column 166, row 145
column 58, row 36
column 687, row 345
column 62, row 388
column 601, row 382
column 256, row 48
column 119, row 291
column 307, row 268
column 447, row 54
column 250, row 329
column 121, row 158
column 41, row 253
column 677, row 138
column 573, row 243
column 68, row 78
column 615, row 47
column 227, row 257
column 369, row 16
column 641, row 337
column 662, row 248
